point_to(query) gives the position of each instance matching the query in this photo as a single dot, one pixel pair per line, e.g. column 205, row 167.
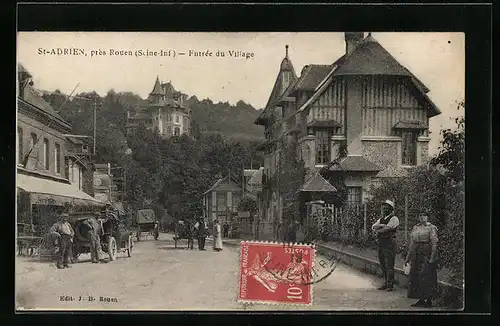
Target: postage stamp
column 276, row 273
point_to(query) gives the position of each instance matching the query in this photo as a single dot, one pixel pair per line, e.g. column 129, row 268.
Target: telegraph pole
column 95, row 120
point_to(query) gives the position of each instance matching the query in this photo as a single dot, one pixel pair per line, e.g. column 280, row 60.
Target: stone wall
column 385, row 154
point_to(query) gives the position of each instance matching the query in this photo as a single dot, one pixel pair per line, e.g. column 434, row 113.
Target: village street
column 160, row 277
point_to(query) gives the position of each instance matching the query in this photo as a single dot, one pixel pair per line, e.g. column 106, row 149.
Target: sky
column 437, row 59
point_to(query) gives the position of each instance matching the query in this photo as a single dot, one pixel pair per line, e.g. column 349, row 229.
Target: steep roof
column 286, row 66
column 157, row 89
column 317, row 184
column 22, row 70
column 168, row 88
column 370, row 58
column 30, row 96
column 311, row 76
column 220, row 181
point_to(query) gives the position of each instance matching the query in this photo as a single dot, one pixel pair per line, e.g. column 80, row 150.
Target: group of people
column 64, row 233
column 421, row 257
column 200, row 231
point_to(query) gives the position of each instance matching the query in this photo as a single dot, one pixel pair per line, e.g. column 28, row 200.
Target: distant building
column 79, row 166
column 103, row 182
column 253, row 181
column 165, row 113
column 222, row 199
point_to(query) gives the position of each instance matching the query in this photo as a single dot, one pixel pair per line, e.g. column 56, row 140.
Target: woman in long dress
column 422, row 258
column 217, row 235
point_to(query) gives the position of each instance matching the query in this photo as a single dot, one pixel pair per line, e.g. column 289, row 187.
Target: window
column 57, row 158
column 177, row 131
column 46, row 154
column 354, row 195
column 176, row 118
column 322, row 147
column 221, row 201
column 169, row 117
column 20, row 149
column 409, row 148
column 69, row 170
column 236, row 200
column 33, row 141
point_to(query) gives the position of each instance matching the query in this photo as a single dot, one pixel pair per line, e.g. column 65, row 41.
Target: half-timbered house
column 362, row 118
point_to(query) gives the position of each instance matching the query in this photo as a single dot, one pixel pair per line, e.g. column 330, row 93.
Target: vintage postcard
column 240, row 171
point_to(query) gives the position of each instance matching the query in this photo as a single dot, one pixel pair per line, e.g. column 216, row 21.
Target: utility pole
column 95, row 120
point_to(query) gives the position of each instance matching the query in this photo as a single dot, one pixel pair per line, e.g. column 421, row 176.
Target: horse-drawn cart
column 114, row 238
column 146, row 224
column 184, row 230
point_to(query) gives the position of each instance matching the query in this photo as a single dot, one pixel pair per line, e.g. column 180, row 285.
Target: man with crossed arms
column 385, row 230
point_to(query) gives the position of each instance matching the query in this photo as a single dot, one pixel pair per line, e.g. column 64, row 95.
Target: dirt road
column 160, row 277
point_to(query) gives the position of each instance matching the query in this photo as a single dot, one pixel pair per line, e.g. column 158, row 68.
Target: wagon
column 114, row 237
column 146, row 224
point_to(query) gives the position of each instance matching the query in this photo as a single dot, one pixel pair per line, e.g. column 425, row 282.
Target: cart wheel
column 112, row 248
column 130, row 245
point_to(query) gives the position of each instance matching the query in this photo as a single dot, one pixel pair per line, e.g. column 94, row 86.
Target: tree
column 248, row 204
column 452, row 150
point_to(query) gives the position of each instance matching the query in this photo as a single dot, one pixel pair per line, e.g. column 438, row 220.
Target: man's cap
column 65, row 215
column 390, row 203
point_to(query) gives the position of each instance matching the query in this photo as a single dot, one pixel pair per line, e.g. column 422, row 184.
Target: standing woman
column 217, row 235
column 422, row 257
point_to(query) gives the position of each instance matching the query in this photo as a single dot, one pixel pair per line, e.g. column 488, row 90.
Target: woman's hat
column 390, row 203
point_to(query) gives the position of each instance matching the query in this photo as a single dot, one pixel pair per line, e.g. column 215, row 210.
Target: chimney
column 352, row 39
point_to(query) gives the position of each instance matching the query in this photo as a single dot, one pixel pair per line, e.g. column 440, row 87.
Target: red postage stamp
column 276, row 273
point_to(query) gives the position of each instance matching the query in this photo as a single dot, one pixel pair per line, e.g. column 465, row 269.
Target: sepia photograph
column 240, row 171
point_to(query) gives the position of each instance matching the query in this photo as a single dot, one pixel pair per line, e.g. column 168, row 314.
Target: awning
column 48, row 192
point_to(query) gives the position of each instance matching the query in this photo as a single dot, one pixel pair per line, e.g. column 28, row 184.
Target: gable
column 227, row 186
column 386, row 92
